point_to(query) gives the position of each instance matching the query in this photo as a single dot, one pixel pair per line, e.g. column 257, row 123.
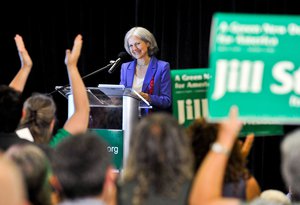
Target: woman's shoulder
column 159, row 61
column 160, row 64
column 127, row 65
column 164, row 63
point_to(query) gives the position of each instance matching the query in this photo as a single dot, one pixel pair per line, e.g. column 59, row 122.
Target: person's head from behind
column 140, row 37
column 275, row 196
column 12, row 188
column 160, row 156
column 290, row 162
column 202, row 135
column 10, row 109
column 35, row 169
column 81, row 164
column 261, row 201
column 39, row 116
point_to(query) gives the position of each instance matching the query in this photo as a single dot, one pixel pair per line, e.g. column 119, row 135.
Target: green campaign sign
column 254, row 61
column 114, row 140
column 189, row 88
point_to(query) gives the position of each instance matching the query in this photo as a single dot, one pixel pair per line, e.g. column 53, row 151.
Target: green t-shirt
column 58, row 137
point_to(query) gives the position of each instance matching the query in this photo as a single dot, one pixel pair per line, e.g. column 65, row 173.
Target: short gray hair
column 145, row 36
column 290, row 161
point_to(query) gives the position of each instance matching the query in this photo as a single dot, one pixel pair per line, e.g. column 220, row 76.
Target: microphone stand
column 84, row 77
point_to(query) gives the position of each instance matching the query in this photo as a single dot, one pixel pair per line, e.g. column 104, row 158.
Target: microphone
column 112, row 64
column 121, row 56
column 60, row 88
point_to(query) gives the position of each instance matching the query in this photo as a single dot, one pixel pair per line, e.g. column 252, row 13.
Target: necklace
column 145, row 63
column 142, row 66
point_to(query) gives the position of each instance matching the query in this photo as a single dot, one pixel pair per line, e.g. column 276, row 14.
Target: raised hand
column 246, row 146
column 78, row 122
column 20, row 79
column 230, row 128
column 25, row 59
column 72, row 56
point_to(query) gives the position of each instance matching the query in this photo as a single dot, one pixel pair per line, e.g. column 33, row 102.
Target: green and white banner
column 189, row 91
column 189, row 88
column 114, row 140
column 254, row 61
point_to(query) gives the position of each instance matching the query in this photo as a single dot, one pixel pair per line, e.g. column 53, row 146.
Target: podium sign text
column 114, row 139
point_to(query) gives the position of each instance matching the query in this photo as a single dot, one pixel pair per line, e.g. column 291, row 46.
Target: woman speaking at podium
column 146, row 74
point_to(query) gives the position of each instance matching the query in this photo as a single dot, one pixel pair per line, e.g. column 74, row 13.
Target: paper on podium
column 143, row 99
column 119, row 90
column 112, row 89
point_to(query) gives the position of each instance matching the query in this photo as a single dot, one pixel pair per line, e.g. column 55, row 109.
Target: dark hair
column 10, row 109
column 160, row 157
column 80, row 163
column 202, row 135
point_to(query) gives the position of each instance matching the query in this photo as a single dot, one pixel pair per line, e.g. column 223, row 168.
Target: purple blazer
column 159, row 71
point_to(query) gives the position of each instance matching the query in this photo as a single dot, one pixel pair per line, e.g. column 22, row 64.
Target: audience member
column 213, row 167
column 10, row 99
column 12, row 188
column 276, row 196
column 83, row 172
column 290, row 154
column 246, row 145
column 39, row 117
column 290, row 193
column 159, row 168
column 35, row 169
column 260, row 201
column 208, row 183
column 39, row 109
column 238, row 181
column 19, row 81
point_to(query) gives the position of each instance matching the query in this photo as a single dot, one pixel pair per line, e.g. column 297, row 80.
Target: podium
column 114, row 111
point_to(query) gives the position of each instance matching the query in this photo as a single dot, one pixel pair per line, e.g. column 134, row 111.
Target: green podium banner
column 254, row 62
column 114, row 139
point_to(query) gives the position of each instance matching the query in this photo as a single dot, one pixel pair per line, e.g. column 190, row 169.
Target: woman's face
column 138, row 48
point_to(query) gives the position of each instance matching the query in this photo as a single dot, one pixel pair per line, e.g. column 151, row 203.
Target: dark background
column 181, row 28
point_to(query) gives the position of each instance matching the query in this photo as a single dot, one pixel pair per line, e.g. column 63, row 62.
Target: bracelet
column 220, row 149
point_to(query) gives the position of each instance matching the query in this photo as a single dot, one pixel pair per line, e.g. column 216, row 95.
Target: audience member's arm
column 252, row 189
column 207, row 186
column 78, row 122
column 246, row 146
column 20, row 79
column 252, row 186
